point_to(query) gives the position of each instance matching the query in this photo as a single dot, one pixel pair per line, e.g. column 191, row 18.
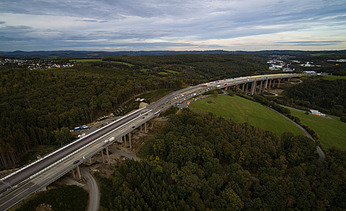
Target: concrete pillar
column 145, row 128
column 270, row 83
column 273, row 85
column 130, row 141
column 266, row 84
column 279, row 83
column 253, row 87
column 103, row 158
column 260, row 87
column 73, row 174
column 78, row 173
column 141, row 128
column 242, row 87
column 108, row 159
column 246, row 88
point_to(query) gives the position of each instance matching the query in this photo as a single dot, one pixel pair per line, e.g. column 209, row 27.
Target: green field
column 172, row 71
column 128, row 64
column 86, row 60
column 332, row 132
column 242, row 110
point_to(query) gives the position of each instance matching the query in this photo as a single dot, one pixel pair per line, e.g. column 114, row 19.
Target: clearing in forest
column 242, row 110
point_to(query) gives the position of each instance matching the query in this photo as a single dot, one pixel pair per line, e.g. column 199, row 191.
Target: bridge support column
column 141, row 128
column 130, row 141
column 253, row 87
column 270, row 84
column 103, row 157
column 246, row 88
column 273, row 85
column 107, row 153
column 78, row 173
column 260, row 87
column 266, row 84
column 145, row 128
column 73, row 174
column 243, row 87
column 279, row 80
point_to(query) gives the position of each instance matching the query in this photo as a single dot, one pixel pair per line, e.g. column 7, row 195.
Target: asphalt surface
column 94, row 191
column 17, row 186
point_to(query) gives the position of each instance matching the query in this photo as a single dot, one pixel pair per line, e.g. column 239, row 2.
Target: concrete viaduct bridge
column 39, row 174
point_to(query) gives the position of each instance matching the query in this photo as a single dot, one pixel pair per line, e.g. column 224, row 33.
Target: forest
column 39, row 107
column 317, row 93
column 230, row 166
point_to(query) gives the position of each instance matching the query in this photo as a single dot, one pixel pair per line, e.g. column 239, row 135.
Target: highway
column 27, row 180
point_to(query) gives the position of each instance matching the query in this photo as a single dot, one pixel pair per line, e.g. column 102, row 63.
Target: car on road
column 77, row 161
column 133, row 126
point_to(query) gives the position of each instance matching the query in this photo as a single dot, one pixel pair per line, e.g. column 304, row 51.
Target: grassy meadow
column 332, row 132
column 242, row 110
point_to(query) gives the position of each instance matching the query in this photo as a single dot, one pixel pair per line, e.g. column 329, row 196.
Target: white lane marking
column 25, row 167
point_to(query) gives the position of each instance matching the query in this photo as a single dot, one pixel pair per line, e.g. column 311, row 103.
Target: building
column 316, row 112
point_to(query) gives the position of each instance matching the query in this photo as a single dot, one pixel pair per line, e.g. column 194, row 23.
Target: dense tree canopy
column 317, row 93
column 230, row 166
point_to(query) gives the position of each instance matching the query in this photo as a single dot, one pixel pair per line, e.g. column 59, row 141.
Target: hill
column 243, row 110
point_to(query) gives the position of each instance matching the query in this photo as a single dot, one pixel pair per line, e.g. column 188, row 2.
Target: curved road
column 94, row 191
column 319, row 150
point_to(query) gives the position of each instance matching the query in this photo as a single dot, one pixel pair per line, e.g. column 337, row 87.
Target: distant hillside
column 88, row 54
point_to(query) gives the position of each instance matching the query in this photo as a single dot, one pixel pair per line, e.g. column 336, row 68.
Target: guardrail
column 56, row 151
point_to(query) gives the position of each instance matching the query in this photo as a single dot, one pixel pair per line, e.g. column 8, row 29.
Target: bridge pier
column 246, row 88
column 243, row 87
column 270, row 84
column 108, row 159
column 260, row 87
column 253, row 87
column 266, row 84
column 103, row 157
column 78, row 173
column 279, row 83
column 130, row 140
column 78, row 176
column 145, row 128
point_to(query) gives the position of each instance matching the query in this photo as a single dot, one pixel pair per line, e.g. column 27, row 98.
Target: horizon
column 136, row 25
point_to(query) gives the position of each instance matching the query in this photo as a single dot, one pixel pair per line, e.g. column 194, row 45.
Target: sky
column 134, row 25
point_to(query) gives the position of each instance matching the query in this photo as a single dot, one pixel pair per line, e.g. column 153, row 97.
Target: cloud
column 203, row 24
column 312, row 43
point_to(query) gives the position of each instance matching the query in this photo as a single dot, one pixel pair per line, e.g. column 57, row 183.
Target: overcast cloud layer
column 114, row 25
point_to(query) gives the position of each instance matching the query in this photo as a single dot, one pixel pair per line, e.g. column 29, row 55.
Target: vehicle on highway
column 133, row 126
column 77, row 161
